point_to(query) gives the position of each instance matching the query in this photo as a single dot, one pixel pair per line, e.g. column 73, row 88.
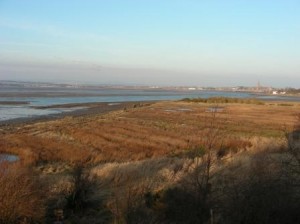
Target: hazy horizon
column 174, row 43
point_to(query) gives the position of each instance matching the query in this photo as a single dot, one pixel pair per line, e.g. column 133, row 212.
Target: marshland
column 149, row 112
column 156, row 162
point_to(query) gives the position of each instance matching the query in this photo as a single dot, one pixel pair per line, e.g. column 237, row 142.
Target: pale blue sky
column 166, row 42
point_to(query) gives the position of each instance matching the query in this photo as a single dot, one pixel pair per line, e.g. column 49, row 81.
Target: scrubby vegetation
column 157, row 164
column 219, row 100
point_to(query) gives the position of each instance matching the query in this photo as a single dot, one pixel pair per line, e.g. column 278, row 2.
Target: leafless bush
column 83, row 185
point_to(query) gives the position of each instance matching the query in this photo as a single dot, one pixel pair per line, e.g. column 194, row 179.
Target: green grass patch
column 224, row 100
column 285, row 104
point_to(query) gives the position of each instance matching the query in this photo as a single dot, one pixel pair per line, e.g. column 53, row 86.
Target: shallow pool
column 4, row 157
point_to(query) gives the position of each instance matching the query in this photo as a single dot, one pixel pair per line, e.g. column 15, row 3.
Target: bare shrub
column 21, row 195
column 82, row 187
column 84, row 199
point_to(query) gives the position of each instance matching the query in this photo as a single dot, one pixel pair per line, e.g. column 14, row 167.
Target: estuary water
column 20, row 102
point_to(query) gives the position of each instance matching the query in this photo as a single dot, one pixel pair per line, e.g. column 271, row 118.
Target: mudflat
column 80, row 109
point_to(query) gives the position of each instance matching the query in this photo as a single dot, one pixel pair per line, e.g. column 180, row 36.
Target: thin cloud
column 52, row 30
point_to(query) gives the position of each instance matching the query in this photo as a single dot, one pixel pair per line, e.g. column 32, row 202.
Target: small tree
column 200, row 180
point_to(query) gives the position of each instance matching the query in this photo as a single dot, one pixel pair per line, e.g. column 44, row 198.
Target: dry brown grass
column 141, row 148
column 21, row 196
column 165, row 128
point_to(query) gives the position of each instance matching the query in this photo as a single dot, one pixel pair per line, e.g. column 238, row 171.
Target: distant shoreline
column 86, row 110
column 92, row 108
column 75, row 103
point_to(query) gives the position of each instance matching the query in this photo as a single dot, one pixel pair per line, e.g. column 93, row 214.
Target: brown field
column 98, row 168
column 150, row 131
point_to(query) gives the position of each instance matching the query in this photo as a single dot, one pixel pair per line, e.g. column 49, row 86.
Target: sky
column 152, row 42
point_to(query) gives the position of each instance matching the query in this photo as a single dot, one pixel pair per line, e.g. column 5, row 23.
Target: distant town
column 259, row 89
